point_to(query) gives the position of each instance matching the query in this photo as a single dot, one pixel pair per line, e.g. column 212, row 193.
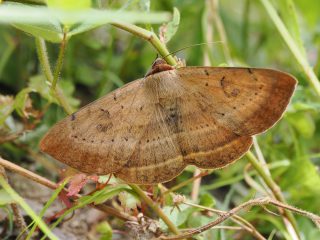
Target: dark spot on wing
column 106, row 112
column 184, row 153
column 249, row 70
column 207, row 84
column 103, row 127
column 222, row 81
column 206, row 72
column 226, row 89
column 235, row 92
column 73, row 116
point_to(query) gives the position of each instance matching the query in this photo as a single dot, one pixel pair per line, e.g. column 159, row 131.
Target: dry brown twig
column 244, row 224
column 45, row 182
column 259, row 201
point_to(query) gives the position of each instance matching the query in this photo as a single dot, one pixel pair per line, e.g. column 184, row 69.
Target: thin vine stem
column 236, row 219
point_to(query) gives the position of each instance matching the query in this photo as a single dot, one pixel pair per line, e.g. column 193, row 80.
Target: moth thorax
column 164, row 85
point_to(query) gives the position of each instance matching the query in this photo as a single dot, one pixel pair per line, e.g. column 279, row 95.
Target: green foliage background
column 100, row 60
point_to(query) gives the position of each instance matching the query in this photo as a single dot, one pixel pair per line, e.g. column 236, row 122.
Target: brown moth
column 149, row 130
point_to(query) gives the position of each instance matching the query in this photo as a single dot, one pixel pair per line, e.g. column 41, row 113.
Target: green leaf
column 38, row 83
column 207, row 200
column 20, row 101
column 303, row 123
column 49, row 32
column 167, row 31
column 172, row 214
column 5, row 198
column 176, row 215
column 49, row 28
column 129, row 200
column 184, row 215
column 105, row 230
column 107, row 193
column 70, row 4
column 46, row 22
column 68, row 89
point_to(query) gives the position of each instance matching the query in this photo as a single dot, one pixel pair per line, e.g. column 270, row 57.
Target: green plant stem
column 155, row 208
column 59, row 64
column 273, row 187
column 27, row 208
column 43, row 58
column 149, row 36
column 45, row 65
column 221, row 30
column 301, row 59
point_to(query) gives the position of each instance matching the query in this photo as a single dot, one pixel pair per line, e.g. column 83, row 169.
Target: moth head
column 158, row 61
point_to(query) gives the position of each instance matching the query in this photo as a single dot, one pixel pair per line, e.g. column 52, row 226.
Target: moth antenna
column 193, row 45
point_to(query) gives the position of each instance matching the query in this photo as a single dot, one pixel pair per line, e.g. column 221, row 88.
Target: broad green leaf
column 49, row 32
column 45, row 22
column 38, row 83
column 184, row 215
column 49, row 28
column 303, row 122
column 304, row 176
column 303, row 106
column 207, row 200
column 172, row 213
column 177, row 215
column 70, row 4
